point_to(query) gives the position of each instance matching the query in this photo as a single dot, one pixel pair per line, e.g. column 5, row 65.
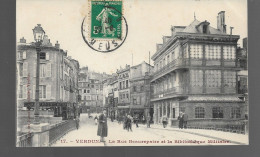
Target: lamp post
column 38, row 33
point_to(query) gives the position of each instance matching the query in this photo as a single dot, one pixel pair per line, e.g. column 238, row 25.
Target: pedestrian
column 185, row 120
column 180, row 118
column 136, row 119
column 77, row 122
column 102, row 126
column 148, row 121
column 96, row 120
column 128, row 123
column 164, row 121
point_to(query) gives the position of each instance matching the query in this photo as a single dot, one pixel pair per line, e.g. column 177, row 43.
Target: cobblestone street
column 86, row 135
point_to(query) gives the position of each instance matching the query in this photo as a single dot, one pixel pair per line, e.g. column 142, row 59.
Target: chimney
column 57, row 45
column 221, row 22
column 22, row 40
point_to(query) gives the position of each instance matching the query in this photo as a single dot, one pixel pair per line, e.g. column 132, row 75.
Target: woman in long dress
column 102, row 126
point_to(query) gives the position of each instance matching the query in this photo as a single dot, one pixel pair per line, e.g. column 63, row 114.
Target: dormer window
column 42, row 55
column 205, row 27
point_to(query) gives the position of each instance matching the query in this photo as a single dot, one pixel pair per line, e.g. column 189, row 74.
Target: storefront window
column 217, row 112
column 199, row 112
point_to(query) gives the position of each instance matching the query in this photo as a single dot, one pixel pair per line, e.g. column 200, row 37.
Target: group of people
column 183, row 119
column 128, row 123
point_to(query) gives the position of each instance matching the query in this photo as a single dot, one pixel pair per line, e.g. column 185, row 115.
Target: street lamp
column 38, row 33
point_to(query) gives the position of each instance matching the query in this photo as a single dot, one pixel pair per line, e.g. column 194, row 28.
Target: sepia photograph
column 109, row 73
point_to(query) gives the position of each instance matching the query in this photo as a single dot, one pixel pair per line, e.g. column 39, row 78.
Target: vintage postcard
column 97, row 73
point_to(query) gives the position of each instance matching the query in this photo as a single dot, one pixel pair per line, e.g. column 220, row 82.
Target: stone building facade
column 140, row 89
column 91, row 89
column 123, row 89
column 58, row 73
column 195, row 72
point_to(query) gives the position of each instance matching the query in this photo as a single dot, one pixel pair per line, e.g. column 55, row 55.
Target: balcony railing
column 170, row 92
column 171, row 65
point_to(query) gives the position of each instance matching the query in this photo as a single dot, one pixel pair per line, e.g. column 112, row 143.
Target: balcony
column 171, row 92
column 173, row 65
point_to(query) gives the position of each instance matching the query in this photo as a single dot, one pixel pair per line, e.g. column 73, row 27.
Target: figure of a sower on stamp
column 103, row 16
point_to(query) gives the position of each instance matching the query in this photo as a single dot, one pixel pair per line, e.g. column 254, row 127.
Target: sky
column 148, row 21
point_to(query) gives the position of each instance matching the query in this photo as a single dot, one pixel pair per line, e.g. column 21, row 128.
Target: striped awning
column 212, row 99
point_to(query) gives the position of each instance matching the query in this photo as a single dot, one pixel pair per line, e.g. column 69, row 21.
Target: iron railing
column 170, row 91
column 24, row 140
column 58, row 130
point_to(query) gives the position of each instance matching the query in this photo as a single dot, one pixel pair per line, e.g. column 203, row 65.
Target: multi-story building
column 110, row 94
column 58, row 74
column 196, row 73
column 140, row 89
column 123, row 90
column 91, row 89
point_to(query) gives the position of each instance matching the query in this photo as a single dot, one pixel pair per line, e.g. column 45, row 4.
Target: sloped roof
column 192, row 28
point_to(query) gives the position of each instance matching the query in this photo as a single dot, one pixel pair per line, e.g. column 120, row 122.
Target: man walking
column 185, row 120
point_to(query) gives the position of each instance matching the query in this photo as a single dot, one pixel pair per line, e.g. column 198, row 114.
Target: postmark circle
column 104, row 37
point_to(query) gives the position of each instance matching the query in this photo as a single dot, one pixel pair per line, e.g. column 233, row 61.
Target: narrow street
column 86, row 135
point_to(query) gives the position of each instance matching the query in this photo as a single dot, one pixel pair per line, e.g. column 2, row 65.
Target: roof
column 213, row 99
column 192, row 28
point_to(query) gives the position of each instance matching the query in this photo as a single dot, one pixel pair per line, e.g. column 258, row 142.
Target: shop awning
column 212, row 99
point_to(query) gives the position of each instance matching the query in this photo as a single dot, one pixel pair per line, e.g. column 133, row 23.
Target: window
column 196, row 51
column 134, row 88
column 43, row 72
column 42, row 91
column 92, row 86
column 127, row 96
column 213, row 51
column 142, row 88
column 229, row 52
column 85, row 98
column 126, row 83
column 196, row 78
column 182, row 109
column 123, row 96
column 21, row 92
column 42, row 55
column 229, row 79
column 173, row 56
column 120, row 85
column 213, row 78
column 123, row 84
column 199, row 112
column 88, row 91
column 235, row 112
column 217, row 112
column 84, row 90
column 168, row 59
column 186, row 52
column 134, row 101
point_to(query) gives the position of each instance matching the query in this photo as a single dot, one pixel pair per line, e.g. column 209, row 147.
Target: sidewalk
column 217, row 135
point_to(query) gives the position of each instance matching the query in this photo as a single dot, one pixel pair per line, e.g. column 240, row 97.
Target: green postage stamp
column 104, row 28
column 106, row 19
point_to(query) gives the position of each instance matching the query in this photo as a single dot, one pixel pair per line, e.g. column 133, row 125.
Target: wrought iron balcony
column 179, row 90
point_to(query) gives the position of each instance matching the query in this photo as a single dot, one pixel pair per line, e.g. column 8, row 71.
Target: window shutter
column 33, row 92
column 24, row 54
column 34, row 69
column 48, row 91
column 49, row 70
column 25, row 67
column 47, row 56
column 24, row 92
